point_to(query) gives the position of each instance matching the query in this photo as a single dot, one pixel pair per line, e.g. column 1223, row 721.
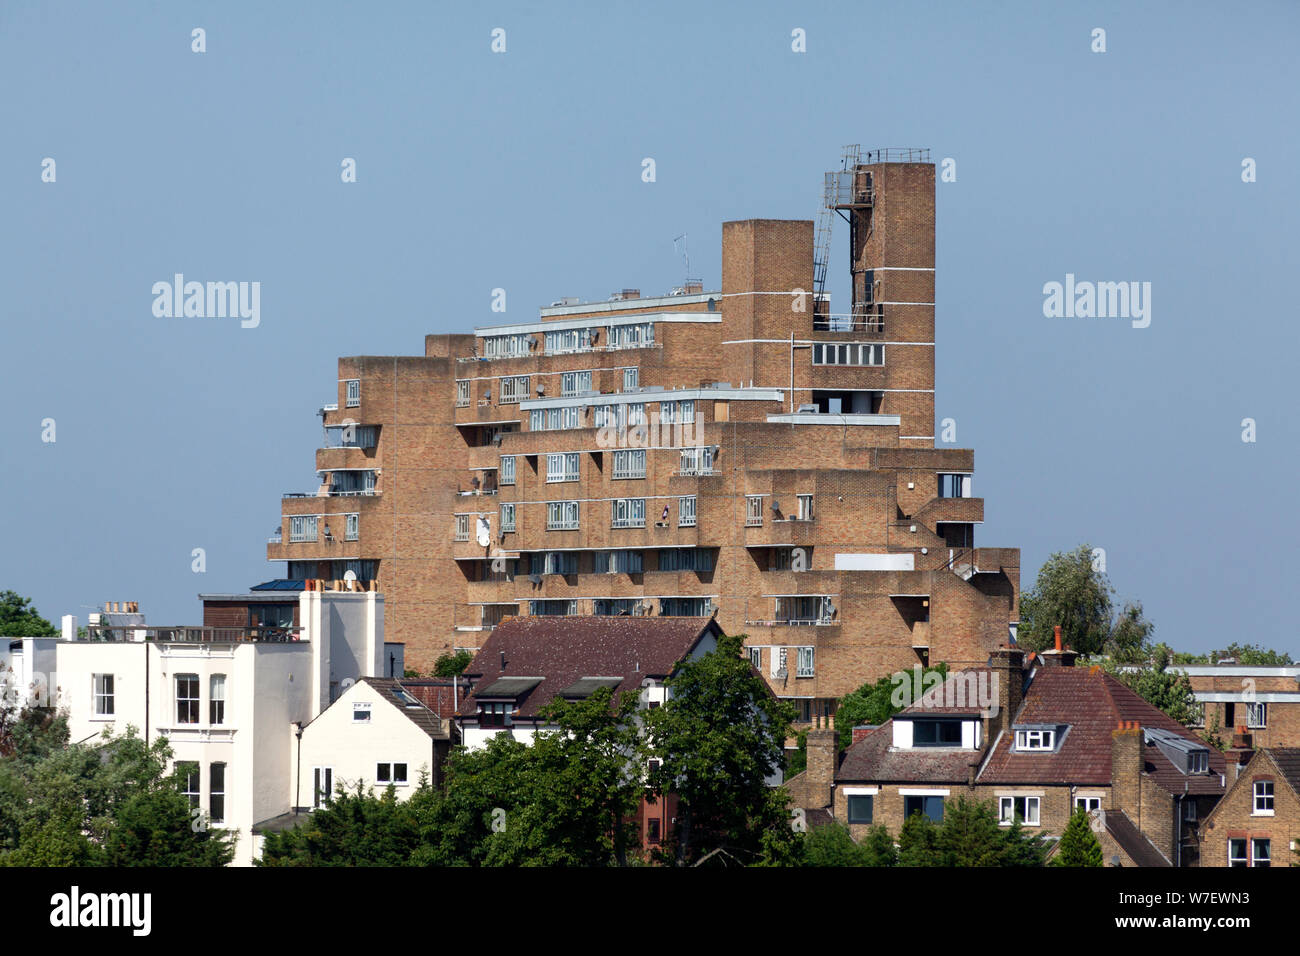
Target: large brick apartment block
column 744, row 452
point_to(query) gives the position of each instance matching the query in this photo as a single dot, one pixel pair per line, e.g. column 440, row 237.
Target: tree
column 831, row 845
column 1079, row 846
column 1161, row 687
column 720, row 735
column 1249, row 655
column 876, row 703
column 19, row 619
column 356, row 829
column 969, row 835
column 452, row 665
column 916, row 841
column 1071, row 591
column 158, row 828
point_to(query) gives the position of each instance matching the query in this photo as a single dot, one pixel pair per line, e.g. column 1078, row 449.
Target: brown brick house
column 1039, row 742
column 1257, row 823
column 1263, row 700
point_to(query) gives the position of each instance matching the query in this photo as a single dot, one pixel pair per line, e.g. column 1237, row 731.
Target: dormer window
column 1039, row 739
column 936, row 733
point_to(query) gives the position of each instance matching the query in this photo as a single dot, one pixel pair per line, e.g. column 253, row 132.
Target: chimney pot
column 1058, row 637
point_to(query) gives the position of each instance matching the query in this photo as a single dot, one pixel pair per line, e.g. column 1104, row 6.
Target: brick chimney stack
column 1008, row 665
column 1239, row 754
column 820, row 773
column 1059, row 656
column 1127, row 758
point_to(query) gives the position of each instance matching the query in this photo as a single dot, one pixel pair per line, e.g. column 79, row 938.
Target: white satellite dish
column 350, row 579
column 484, row 534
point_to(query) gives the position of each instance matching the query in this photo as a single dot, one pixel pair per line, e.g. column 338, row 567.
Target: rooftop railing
column 259, row 634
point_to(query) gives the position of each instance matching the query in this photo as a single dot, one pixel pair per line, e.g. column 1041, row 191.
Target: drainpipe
column 297, row 778
column 146, row 693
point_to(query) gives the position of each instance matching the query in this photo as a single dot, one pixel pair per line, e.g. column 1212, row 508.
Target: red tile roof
column 563, row 650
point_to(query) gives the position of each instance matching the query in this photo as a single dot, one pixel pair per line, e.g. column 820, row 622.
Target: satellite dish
column 776, row 505
column 484, row 532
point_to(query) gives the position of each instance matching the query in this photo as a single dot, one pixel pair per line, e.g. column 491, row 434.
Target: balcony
column 195, row 635
column 861, row 323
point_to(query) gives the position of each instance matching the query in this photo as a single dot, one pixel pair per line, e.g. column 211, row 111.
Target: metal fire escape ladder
column 832, row 196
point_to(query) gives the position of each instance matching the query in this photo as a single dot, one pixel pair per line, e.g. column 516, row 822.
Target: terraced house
column 746, row 453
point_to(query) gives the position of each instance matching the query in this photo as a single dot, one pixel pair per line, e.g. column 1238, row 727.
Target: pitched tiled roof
column 1092, row 703
column 1288, row 762
column 1133, row 842
column 874, row 758
column 564, row 650
column 417, row 713
column 435, row 693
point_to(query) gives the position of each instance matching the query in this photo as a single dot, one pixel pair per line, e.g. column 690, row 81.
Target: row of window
column 307, row 527
column 189, row 774
column 754, row 509
column 628, row 463
column 806, row 658
column 668, row 606
column 188, row 703
column 571, row 383
column 848, row 353
column 565, row 341
column 1026, row 809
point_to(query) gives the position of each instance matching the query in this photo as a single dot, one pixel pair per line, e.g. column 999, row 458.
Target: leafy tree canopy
column 19, row 619
column 1073, row 592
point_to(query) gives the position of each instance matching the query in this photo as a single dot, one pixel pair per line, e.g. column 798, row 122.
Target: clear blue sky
column 522, row 170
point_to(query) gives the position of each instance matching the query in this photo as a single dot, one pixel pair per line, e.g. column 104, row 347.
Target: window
column 677, row 413
column 103, row 690
column 506, row 473
column 617, row 562
column 322, row 786
column 555, row 562
column 514, row 389
column 217, row 792
column 805, row 512
column 808, row 609
column 685, row 607
column 1090, row 804
column 861, row 808
column 351, row 527
column 302, row 528
column 188, row 772
column 187, row 698
column 652, row 830
column 635, row 412
column 394, row 773
column 685, row 559
column 1035, row 740
column 640, row 335
column 936, row 733
column 686, row 511
column 1198, row 761
column 848, row 353
column 1237, row 853
column 354, row 392
column 1024, row 809
column 629, row 464
column 217, row 699
column 628, row 512
column 696, row 461
column 1256, row 716
column 1263, row 798
column 507, row 517
column 462, row 393
column 753, row 510
column 954, row 486
column 553, row 419
column 553, row 608
column 506, row 346
column 361, row 713
column 568, row 340
column 756, row 657
column 462, row 527
column 613, row 607
column 805, row 662
column 931, row 807
column 562, row 467
column 1260, row 853
column 575, row 383
column 561, row 515
column 631, row 379
column 1189, row 810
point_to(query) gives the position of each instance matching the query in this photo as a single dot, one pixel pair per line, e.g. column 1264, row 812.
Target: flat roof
column 560, row 325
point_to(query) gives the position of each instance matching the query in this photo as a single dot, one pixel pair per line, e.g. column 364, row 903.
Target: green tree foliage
column 1072, row 592
column 721, row 734
column 1079, row 846
column 1247, row 655
column 358, row 828
column 969, row 835
column 876, row 703
column 19, row 619
column 110, row 802
column 831, row 845
column 452, row 665
column 1162, row 687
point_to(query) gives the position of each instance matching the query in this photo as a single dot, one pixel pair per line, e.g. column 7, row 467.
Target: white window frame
column 627, row 513
column 507, row 517
column 561, row 516
column 1088, row 802
column 1035, row 741
column 513, row 390
column 352, row 389
column 575, row 383
column 215, row 794
column 1244, row 859
column 756, row 657
column 1263, row 793
column 686, row 511
column 102, row 694
column 389, row 770
column 961, row 484
column 216, row 699
column 1256, row 715
column 631, row 379
column 303, row 528
column 805, row 512
column 807, row 665
column 506, row 472
column 1007, row 809
column 696, row 461
column 1268, row 853
column 462, row 392
column 753, row 511
column 561, row 466
column 322, row 785
column 361, row 712
column 352, row 527
column 187, row 705
column 629, row 463
column 462, row 528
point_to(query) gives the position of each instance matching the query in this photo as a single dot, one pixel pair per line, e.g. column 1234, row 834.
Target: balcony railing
column 847, row 322
column 195, row 635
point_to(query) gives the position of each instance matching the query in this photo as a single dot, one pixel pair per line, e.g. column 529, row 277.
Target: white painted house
column 229, row 700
